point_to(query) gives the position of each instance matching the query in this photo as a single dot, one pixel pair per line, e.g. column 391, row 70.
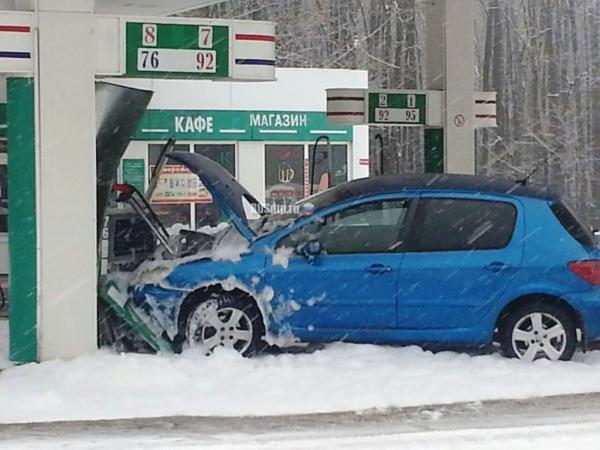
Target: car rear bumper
column 588, row 305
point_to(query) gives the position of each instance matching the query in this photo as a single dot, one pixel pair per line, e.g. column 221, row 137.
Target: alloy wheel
column 227, row 327
column 539, row 334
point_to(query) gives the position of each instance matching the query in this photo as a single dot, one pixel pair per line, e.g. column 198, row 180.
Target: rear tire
column 226, row 320
column 539, row 330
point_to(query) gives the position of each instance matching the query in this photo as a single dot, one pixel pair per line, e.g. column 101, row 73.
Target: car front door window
column 376, row 227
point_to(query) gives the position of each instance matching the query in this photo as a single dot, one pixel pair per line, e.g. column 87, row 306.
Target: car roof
column 386, row 184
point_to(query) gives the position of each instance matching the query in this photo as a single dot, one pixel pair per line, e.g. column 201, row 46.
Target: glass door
column 284, row 174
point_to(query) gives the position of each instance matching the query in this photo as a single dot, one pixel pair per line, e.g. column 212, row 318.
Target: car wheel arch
column 544, row 298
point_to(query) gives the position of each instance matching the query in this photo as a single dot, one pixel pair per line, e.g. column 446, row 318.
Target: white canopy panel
column 149, row 7
column 120, row 7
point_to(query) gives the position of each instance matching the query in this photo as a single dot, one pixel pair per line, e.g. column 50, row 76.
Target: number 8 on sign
column 149, row 35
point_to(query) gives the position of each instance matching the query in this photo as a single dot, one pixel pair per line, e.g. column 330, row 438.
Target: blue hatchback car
column 426, row 259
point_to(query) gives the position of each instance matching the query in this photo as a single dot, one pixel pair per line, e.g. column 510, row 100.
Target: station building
column 263, row 133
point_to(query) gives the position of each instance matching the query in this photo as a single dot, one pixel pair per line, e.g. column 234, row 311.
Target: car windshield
column 270, row 222
column 278, row 216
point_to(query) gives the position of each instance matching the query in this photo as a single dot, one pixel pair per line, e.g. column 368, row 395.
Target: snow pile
column 213, row 231
column 230, row 247
column 340, row 377
column 281, row 256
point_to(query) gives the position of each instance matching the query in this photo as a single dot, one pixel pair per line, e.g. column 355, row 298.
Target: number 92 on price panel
column 397, row 115
column 176, row 60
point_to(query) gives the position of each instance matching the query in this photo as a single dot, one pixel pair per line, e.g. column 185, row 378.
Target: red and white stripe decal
column 485, row 109
column 363, row 161
column 254, row 37
column 345, row 99
column 345, row 113
column 15, row 28
column 12, row 52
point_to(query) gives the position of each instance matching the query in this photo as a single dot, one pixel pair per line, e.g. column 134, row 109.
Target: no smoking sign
column 459, row 120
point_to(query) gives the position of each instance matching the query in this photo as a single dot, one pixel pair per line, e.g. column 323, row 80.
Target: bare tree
column 542, row 56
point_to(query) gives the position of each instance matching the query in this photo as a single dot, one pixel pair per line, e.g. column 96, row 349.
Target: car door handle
column 497, row 266
column 378, row 268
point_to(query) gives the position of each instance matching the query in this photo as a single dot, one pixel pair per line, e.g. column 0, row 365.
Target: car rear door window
column 375, row 227
column 444, row 224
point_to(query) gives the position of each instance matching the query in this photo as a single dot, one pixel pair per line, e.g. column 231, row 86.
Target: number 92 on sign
column 397, row 115
column 176, row 60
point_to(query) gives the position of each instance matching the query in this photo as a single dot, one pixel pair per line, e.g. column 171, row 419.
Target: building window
column 284, row 173
column 210, row 214
column 180, row 198
column 331, row 166
column 174, row 211
column 223, row 154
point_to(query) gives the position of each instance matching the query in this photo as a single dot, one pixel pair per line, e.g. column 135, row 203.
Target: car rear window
column 573, row 225
column 461, row 224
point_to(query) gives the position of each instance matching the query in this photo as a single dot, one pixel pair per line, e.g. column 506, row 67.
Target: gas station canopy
column 150, row 7
column 124, row 7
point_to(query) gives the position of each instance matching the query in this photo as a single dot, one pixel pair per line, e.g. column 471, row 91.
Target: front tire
column 539, row 330
column 226, row 321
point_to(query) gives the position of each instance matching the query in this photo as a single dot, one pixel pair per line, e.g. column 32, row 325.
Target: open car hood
column 235, row 201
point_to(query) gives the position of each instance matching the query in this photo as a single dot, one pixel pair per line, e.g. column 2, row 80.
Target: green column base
column 434, row 150
column 22, row 232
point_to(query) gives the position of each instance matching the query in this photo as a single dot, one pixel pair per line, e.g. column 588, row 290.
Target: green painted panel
column 434, row 150
column 397, row 108
column 224, row 125
column 22, row 220
column 139, row 322
column 161, row 50
column 2, row 120
column 134, row 173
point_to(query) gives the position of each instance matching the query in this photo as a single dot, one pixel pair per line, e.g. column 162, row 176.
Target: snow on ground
column 340, row 377
column 581, row 436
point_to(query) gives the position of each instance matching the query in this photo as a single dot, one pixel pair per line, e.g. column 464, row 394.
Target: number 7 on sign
column 205, row 37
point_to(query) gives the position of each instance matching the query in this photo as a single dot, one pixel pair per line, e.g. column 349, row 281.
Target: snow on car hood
column 235, row 201
column 230, row 246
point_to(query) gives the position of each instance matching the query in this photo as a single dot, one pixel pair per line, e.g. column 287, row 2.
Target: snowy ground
column 341, row 377
column 534, row 424
column 545, row 437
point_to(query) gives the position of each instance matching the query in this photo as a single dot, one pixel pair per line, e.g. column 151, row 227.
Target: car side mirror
column 311, row 250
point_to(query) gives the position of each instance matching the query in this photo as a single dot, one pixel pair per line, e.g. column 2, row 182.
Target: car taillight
column 589, row 270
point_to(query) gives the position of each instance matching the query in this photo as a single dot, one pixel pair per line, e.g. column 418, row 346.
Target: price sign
column 392, row 108
column 397, row 115
column 173, row 50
